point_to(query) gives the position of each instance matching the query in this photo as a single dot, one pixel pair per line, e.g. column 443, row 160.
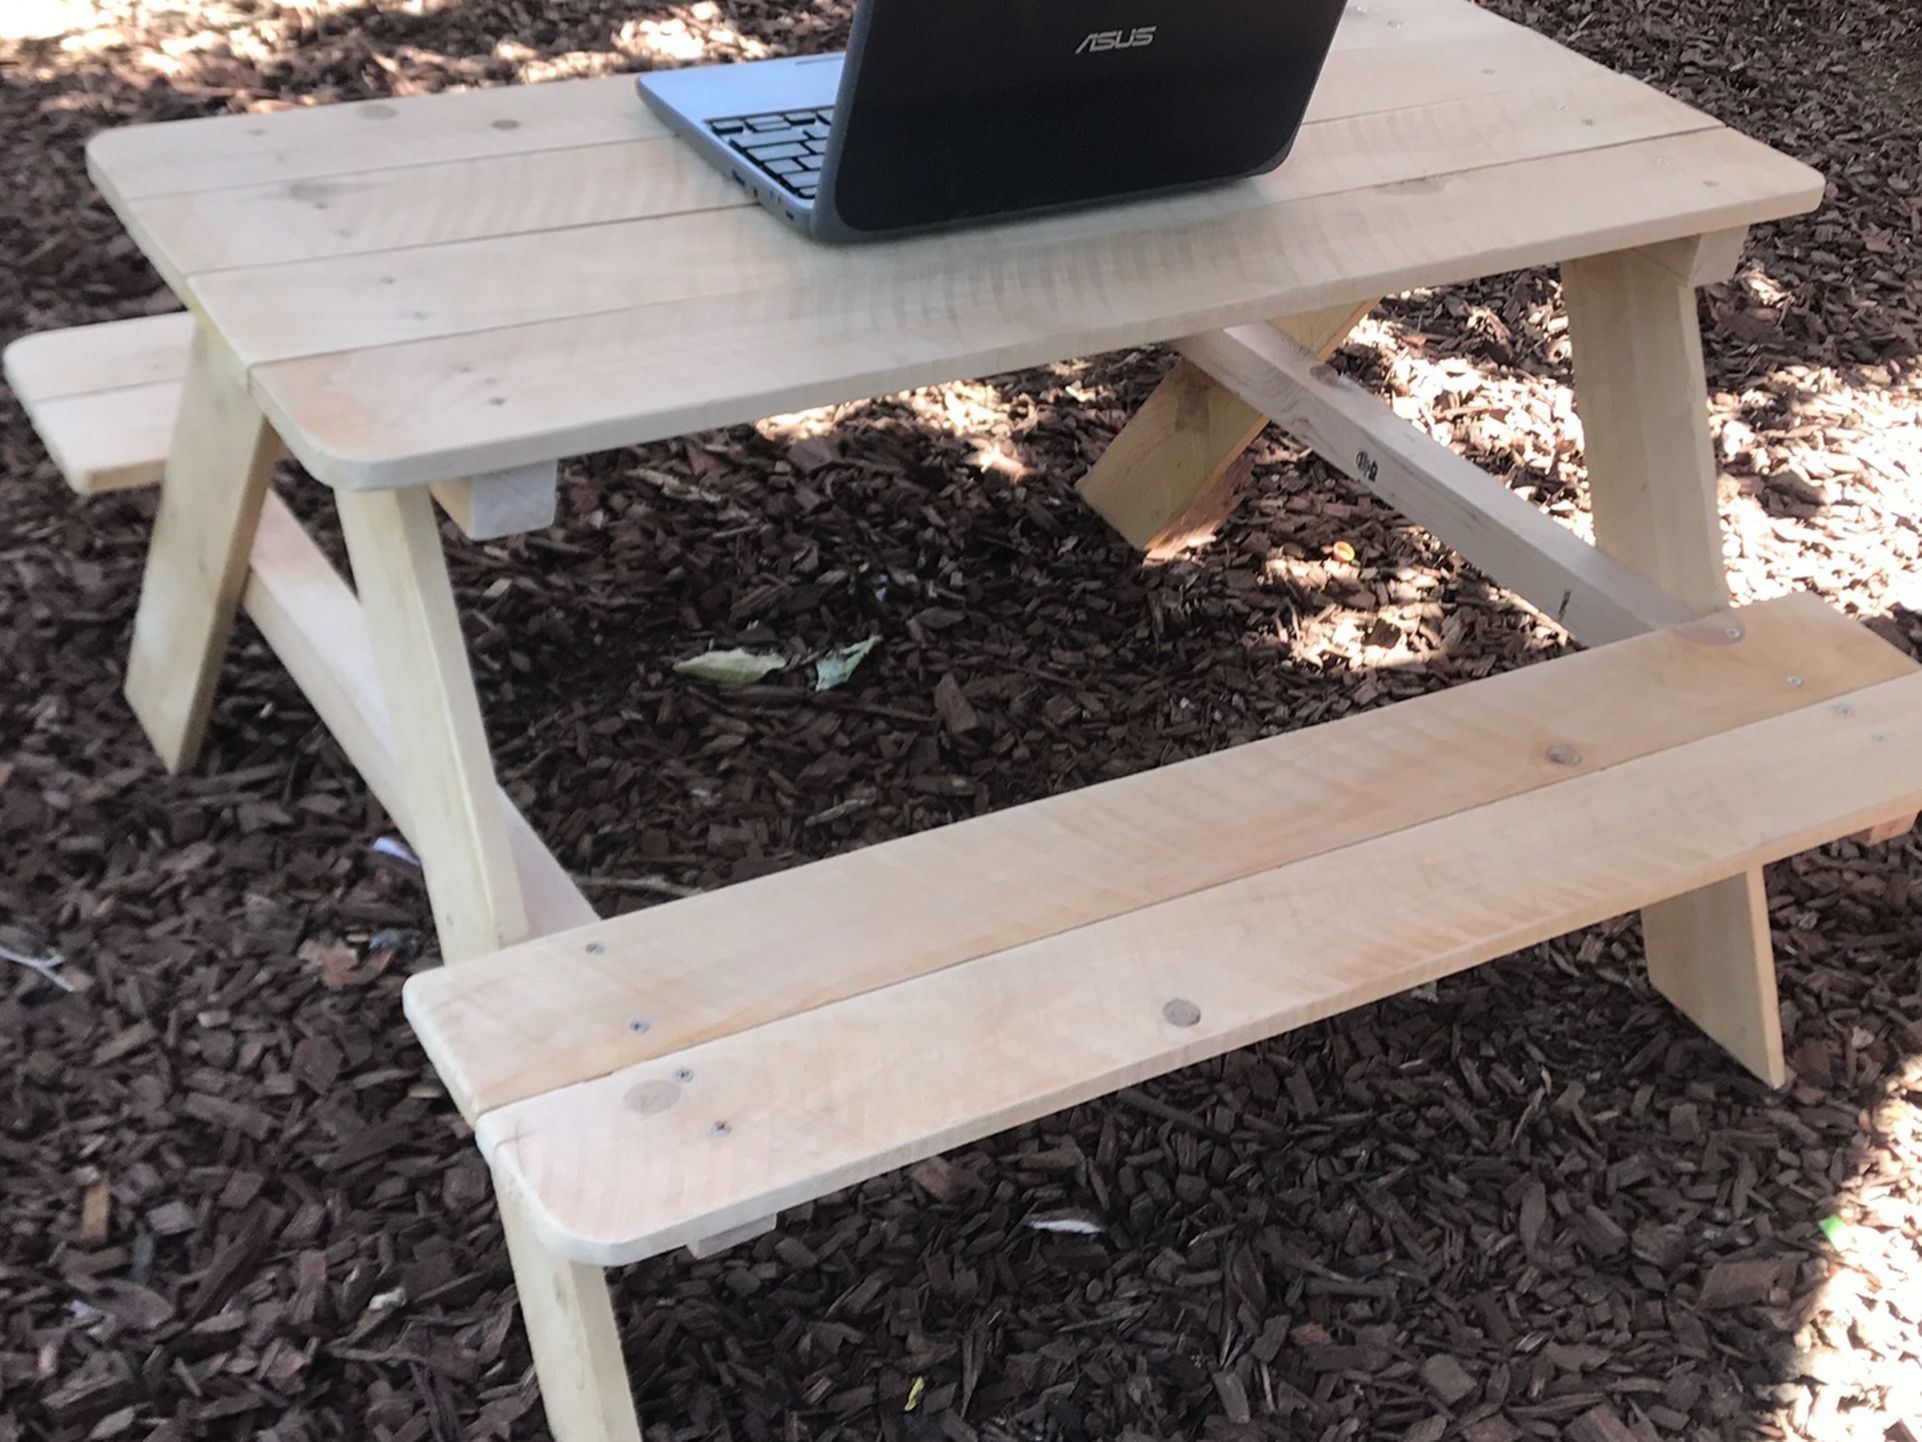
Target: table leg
column 447, row 777
column 1642, row 396
column 570, row 1328
column 446, row 772
column 1175, row 471
column 217, row 476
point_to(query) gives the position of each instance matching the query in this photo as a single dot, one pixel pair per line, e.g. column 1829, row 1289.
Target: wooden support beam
column 1598, row 599
column 1700, row 260
column 217, row 477
column 724, row 1241
column 1177, row 469
column 571, row 1330
column 308, row 614
column 498, row 504
column 446, row 772
column 1642, row 393
column 1888, row 831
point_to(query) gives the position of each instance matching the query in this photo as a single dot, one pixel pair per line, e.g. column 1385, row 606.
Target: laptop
column 945, row 113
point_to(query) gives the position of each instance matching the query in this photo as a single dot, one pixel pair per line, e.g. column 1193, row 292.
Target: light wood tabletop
column 443, row 285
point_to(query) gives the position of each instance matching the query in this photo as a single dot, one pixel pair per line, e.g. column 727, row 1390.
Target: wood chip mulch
column 1531, row 1204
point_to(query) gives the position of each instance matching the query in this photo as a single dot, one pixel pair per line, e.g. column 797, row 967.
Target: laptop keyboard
column 786, row 144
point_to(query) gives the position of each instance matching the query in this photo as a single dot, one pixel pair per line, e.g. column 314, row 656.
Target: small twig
column 44, row 967
column 652, row 885
column 1154, row 1107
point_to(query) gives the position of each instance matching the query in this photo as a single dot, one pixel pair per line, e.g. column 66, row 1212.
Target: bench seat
column 680, row 1073
column 104, row 399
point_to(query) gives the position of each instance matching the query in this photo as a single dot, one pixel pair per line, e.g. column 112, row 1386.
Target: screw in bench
column 1564, row 756
column 1181, row 1012
column 638, row 1026
column 1795, row 681
column 719, row 1129
column 683, row 1074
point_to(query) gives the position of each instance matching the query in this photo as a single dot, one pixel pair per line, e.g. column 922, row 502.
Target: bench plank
column 554, row 1011
column 104, row 399
column 640, row 1161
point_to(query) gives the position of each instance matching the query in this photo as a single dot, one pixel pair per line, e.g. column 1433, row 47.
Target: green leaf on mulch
column 731, row 668
column 837, row 667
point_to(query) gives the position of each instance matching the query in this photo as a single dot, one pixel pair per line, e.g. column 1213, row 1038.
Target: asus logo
column 1117, row 40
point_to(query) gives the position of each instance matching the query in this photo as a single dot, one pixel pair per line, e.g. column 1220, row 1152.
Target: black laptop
column 952, row 112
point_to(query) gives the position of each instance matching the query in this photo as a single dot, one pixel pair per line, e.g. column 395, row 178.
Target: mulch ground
column 234, row 1202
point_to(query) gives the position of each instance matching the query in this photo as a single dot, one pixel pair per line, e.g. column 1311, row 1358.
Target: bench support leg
column 217, row 476
column 1176, row 470
column 446, row 780
column 1642, row 395
column 446, row 772
column 570, row 1328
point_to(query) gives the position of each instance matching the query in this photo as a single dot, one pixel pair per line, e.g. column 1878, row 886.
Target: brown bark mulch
column 234, row 1202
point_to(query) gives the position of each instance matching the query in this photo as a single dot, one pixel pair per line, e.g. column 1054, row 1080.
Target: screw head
column 1563, row 755
column 1181, row 1012
column 1734, row 633
column 719, row 1129
column 638, row 1025
column 683, row 1074
column 1797, row 682
column 1845, row 709
column 594, row 948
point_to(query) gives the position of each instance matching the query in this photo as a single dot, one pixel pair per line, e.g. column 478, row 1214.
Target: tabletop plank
column 407, row 413
column 526, row 183
column 281, row 312
column 139, row 161
column 446, row 284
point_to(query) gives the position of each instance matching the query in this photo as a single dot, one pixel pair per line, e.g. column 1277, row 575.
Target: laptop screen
column 957, row 108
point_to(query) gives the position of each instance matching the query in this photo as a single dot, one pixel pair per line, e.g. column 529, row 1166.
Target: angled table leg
column 394, row 543
column 1175, row 471
column 217, row 477
column 459, row 828
column 570, row 1328
column 1642, row 396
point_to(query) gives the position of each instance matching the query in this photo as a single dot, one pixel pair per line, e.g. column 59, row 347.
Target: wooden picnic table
column 436, row 299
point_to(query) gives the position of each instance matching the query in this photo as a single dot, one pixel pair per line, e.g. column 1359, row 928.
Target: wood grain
column 635, row 1162
column 558, row 1010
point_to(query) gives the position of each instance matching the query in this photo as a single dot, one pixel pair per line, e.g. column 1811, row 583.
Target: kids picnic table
column 433, row 300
